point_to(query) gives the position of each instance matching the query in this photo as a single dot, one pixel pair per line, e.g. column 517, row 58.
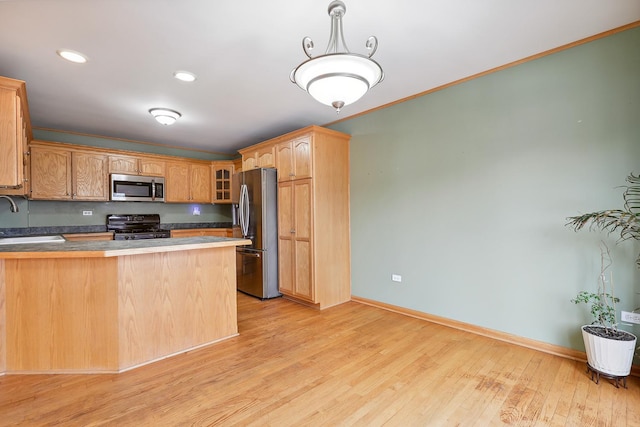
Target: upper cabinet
column 136, row 165
column 222, row 176
column 89, row 176
column 258, row 156
column 50, row 173
column 293, row 158
column 15, row 135
column 188, row 182
column 60, row 173
column 237, row 165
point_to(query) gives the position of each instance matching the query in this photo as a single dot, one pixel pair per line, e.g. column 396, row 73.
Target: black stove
column 136, row 227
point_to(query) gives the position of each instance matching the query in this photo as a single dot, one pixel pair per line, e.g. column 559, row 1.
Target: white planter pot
column 610, row 357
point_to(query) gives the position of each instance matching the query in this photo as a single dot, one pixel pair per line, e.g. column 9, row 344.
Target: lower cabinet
column 295, row 240
column 197, row 232
column 83, row 237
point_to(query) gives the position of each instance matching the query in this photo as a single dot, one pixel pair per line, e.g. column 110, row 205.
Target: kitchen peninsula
column 110, row 306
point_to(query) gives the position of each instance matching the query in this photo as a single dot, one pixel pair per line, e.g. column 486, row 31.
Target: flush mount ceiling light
column 72, row 56
column 165, row 116
column 185, row 76
column 338, row 77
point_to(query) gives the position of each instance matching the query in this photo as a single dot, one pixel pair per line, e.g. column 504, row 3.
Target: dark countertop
column 109, row 248
column 71, row 229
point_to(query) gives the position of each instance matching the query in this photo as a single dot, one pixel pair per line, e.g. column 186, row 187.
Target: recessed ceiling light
column 72, row 56
column 165, row 116
column 185, row 76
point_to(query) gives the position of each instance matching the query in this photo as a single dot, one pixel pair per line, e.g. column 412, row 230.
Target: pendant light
column 338, row 77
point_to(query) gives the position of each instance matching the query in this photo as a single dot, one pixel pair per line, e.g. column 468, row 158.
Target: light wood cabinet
column 63, row 174
column 50, row 173
column 295, row 244
column 262, row 156
column 84, row 237
column 132, row 165
column 237, row 165
column 313, row 214
column 222, row 172
column 188, row 182
column 200, row 183
column 65, row 313
column 15, row 135
column 177, row 183
column 293, row 158
column 89, row 176
column 197, row 232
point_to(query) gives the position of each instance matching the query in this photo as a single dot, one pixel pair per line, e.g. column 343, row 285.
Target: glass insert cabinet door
column 222, row 183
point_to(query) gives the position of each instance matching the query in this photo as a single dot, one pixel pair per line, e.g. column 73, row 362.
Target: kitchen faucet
column 14, row 207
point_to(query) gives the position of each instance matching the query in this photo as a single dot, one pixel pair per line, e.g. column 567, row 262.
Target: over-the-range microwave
column 135, row 188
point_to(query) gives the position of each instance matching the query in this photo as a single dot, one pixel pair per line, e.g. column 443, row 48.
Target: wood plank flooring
column 349, row 365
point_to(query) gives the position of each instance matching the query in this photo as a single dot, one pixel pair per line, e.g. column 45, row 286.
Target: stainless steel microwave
column 135, row 188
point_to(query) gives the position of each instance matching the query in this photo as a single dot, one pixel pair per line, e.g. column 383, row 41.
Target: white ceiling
column 244, row 51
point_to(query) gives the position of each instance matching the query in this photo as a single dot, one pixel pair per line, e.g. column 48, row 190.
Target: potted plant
column 626, row 221
column 609, row 350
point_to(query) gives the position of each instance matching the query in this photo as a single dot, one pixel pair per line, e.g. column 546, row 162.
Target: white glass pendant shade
column 165, row 116
column 337, row 91
column 337, row 79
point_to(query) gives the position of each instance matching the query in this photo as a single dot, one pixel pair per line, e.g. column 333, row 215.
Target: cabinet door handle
column 293, row 231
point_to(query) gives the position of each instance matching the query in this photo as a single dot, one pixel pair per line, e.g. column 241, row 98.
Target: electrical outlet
column 195, row 210
column 630, row 317
column 396, row 278
column 87, row 213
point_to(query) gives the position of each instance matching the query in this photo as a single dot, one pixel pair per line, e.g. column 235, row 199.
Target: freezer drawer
column 252, row 274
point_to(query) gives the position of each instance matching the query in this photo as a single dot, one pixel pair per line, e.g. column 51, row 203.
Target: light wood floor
column 348, row 365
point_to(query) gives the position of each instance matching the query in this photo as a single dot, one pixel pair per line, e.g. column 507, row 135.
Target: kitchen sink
column 31, row 239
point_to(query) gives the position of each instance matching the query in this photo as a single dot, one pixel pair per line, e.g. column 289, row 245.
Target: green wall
column 465, row 192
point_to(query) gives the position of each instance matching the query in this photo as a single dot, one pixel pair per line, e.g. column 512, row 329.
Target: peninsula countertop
column 114, row 248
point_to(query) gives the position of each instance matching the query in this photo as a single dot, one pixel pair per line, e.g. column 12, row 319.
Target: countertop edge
column 113, row 248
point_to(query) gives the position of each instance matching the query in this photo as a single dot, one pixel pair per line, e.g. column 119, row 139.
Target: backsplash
column 36, row 214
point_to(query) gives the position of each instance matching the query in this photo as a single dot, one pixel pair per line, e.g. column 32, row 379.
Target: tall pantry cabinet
column 314, row 262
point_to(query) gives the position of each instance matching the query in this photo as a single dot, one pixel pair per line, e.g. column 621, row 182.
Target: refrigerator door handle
column 251, row 254
column 244, row 210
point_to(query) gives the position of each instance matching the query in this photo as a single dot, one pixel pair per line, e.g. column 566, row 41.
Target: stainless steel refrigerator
column 255, row 205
